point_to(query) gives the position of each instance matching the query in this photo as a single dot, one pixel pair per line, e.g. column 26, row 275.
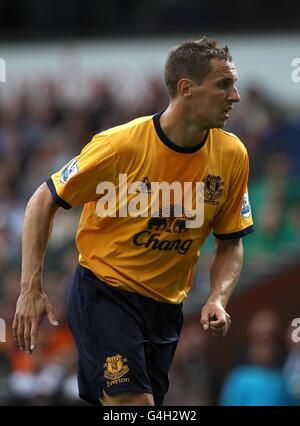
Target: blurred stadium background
column 76, row 67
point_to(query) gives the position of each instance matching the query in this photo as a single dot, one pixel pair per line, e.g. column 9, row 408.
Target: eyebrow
column 234, row 80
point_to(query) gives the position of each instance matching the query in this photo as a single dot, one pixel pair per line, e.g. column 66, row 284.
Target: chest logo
column 145, row 186
column 213, row 189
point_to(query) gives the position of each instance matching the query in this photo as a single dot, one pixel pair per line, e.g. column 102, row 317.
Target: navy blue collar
column 172, row 145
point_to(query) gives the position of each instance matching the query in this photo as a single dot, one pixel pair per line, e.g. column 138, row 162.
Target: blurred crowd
column 40, row 130
column 264, row 371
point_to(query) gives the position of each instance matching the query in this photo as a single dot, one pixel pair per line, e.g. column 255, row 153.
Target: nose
column 234, row 95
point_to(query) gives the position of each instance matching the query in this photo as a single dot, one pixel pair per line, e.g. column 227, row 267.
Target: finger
column 34, row 334
column 20, row 336
column 227, row 326
column 204, row 319
column 51, row 316
column 27, row 342
column 218, row 323
column 15, row 328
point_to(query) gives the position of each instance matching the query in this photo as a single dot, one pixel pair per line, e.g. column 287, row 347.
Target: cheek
column 208, row 103
column 219, row 99
column 214, row 102
column 221, row 96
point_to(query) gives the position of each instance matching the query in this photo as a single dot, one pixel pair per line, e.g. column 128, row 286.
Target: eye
column 225, row 84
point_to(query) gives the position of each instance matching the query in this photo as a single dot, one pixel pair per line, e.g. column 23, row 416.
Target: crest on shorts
column 115, row 367
column 213, row 188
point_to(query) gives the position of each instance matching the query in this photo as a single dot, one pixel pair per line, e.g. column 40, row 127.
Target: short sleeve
column 76, row 183
column 234, row 220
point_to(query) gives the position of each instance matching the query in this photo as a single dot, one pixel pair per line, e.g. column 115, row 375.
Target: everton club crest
column 115, row 367
column 213, row 189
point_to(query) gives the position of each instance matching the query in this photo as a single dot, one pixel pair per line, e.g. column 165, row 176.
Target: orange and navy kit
column 153, row 256
column 137, row 252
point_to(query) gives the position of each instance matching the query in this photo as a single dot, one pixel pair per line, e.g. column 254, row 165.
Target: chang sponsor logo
column 149, row 240
column 159, row 227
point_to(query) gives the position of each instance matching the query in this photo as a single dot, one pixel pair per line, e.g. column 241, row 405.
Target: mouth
column 227, row 110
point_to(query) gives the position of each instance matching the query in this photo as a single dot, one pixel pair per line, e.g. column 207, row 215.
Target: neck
column 180, row 127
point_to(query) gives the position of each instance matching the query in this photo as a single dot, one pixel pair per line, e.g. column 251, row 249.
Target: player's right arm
column 33, row 303
column 75, row 184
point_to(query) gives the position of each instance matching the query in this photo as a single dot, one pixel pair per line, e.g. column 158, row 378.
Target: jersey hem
column 238, row 234
column 55, row 196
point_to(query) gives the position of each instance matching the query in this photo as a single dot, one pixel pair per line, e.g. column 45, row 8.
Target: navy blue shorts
column 125, row 342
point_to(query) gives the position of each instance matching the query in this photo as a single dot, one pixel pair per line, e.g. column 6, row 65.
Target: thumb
column 51, row 316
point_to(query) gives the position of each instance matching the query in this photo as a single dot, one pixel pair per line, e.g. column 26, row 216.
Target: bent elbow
column 42, row 198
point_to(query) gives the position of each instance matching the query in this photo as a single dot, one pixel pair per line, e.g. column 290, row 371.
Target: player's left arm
column 224, row 275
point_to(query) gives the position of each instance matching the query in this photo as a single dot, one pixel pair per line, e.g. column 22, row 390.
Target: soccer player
column 135, row 268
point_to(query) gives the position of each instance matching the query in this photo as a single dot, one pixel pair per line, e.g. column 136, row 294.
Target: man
column 135, row 269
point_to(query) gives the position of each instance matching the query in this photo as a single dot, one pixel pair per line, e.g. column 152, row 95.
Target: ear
column 184, row 87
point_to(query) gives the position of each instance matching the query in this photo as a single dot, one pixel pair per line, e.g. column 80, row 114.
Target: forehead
column 222, row 69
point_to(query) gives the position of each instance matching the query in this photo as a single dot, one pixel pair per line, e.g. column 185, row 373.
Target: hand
column 30, row 310
column 215, row 318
